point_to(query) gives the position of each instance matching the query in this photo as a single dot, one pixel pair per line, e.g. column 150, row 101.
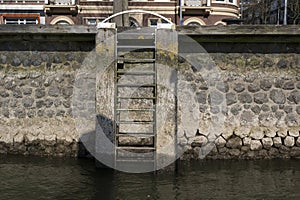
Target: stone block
column 231, row 98
column 242, row 131
column 247, row 118
column 289, row 85
column 234, row 153
column 234, row 143
column 239, row 87
column 255, row 145
column 220, row 141
column 246, row 141
column 267, row 143
column 261, row 98
column 27, row 102
column 227, row 133
column 293, row 132
column 289, row 141
column 253, row 88
column 270, row 132
column 298, row 142
column 7, row 138
column 295, row 152
column 277, row 141
column 265, row 84
column 54, row 92
column 223, row 150
column 19, row 138
column 256, row 109
column 245, row 97
column 273, row 152
column 282, row 133
column 51, row 137
column 291, row 120
column 277, row 96
column 245, row 149
column 199, row 141
column 257, row 133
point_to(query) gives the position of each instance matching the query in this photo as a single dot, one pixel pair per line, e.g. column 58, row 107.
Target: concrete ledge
column 239, row 30
column 47, row 29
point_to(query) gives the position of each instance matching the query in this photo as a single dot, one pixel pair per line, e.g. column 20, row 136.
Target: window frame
column 20, row 16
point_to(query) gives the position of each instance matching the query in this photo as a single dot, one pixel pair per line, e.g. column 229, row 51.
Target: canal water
column 55, row 178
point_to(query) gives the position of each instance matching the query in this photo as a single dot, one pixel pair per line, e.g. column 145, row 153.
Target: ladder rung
column 136, row 72
column 135, row 135
column 135, row 148
column 135, row 109
column 136, row 33
column 139, row 85
column 136, row 97
column 135, row 160
column 136, row 47
column 135, row 122
column 138, row 60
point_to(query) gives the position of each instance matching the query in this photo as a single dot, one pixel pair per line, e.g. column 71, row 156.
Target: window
column 20, row 18
column 194, row 24
column 92, row 20
column 62, row 22
column 155, row 21
column 226, row 1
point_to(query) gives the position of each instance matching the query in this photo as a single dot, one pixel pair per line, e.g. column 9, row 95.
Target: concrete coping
column 188, row 30
column 240, row 30
column 47, row 29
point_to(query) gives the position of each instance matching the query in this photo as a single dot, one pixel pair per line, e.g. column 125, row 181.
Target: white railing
column 60, row 2
column 22, row 1
column 196, row 2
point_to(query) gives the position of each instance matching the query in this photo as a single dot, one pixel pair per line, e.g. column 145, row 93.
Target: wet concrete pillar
column 167, row 50
column 105, row 53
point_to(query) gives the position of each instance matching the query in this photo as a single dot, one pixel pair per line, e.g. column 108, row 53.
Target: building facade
column 22, row 11
column 90, row 12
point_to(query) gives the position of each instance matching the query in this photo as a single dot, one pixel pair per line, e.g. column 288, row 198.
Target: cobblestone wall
column 35, row 102
column 256, row 94
column 261, row 94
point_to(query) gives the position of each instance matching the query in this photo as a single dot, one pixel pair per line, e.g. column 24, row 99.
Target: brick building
column 22, row 11
column 188, row 12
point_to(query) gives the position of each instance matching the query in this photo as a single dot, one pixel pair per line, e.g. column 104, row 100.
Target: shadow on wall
column 88, row 141
column 47, row 42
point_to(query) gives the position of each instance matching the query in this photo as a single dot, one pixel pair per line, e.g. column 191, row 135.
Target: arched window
column 193, row 24
column 194, row 21
column 62, row 20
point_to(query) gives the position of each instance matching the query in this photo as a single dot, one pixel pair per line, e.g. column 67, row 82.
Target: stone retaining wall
column 261, row 96
column 37, row 72
column 257, row 94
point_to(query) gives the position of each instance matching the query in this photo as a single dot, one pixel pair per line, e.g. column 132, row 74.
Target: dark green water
column 48, row 178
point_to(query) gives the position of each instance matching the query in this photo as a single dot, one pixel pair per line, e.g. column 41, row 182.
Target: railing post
column 208, row 3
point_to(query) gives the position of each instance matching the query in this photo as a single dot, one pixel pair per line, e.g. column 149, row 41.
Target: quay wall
column 254, row 89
